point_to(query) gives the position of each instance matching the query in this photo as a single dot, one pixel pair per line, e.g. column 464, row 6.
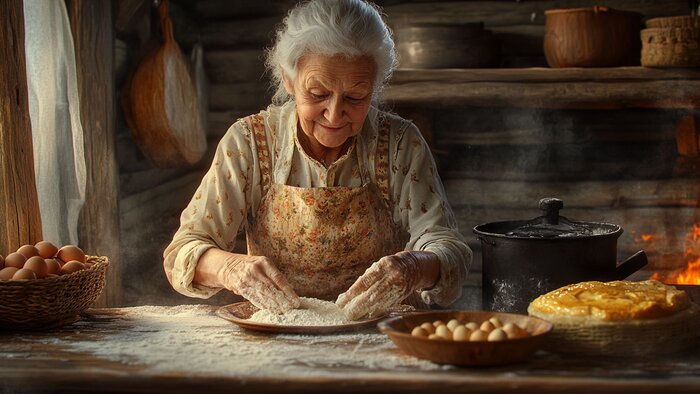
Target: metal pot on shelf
column 523, row 259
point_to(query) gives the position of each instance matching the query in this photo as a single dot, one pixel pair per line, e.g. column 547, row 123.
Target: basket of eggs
column 43, row 286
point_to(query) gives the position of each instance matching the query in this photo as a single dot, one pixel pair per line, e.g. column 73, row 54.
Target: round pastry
column 619, row 318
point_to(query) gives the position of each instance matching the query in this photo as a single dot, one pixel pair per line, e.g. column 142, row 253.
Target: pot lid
column 551, row 225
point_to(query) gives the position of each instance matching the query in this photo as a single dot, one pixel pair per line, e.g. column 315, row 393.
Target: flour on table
column 311, row 312
column 192, row 339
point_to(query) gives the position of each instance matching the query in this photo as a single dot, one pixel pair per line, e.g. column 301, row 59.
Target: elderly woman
column 338, row 199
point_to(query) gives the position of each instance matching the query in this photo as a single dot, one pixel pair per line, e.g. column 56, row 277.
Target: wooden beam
column 504, row 13
column 601, row 88
column 252, row 96
column 254, row 33
column 235, row 65
column 93, row 35
column 20, row 219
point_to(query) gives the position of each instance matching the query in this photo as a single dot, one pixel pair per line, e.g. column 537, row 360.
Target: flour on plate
column 311, row 312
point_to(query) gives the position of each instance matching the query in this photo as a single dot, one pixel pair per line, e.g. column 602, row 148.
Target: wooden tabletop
column 188, row 349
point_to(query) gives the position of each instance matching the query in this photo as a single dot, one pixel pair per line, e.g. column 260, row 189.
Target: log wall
column 617, row 165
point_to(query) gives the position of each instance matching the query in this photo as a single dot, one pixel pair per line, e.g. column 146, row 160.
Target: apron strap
column 381, row 160
column 257, row 124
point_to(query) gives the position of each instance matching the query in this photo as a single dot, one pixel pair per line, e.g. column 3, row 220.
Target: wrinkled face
column 332, row 95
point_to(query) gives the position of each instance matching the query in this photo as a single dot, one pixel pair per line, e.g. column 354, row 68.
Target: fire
column 691, row 273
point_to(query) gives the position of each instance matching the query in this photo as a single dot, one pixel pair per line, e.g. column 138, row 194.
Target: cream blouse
column 230, row 191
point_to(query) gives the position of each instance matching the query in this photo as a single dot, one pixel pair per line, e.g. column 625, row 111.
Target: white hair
column 331, row 27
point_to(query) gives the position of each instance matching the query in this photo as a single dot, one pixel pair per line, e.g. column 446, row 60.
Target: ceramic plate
column 240, row 313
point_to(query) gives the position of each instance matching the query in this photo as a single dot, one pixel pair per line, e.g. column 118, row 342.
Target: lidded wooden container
column 592, row 37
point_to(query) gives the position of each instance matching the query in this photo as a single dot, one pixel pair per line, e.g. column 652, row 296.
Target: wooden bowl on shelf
column 466, row 353
column 444, row 45
column 592, row 37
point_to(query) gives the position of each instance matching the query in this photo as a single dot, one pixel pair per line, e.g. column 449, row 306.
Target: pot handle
column 630, row 266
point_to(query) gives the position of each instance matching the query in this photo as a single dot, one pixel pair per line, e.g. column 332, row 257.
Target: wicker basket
column 51, row 302
column 675, row 21
column 671, row 47
column 668, row 335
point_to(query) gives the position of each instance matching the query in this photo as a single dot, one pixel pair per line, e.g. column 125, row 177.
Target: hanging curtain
column 59, row 160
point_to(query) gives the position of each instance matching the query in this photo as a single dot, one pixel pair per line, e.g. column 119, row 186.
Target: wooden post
column 93, row 34
column 20, row 219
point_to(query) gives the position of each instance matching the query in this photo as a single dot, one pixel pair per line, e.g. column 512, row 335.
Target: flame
column 691, row 273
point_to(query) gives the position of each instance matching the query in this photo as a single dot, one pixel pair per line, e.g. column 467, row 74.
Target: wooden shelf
column 583, row 88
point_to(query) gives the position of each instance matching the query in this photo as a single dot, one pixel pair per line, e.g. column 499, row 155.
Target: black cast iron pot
column 523, row 259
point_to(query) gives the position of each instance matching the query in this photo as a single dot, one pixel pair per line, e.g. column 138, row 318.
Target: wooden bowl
column 428, row 46
column 477, row 353
column 592, row 37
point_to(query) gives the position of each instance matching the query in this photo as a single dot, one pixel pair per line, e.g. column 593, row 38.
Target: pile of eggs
column 492, row 330
column 42, row 260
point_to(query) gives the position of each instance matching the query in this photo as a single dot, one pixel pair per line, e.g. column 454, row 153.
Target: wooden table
column 187, row 349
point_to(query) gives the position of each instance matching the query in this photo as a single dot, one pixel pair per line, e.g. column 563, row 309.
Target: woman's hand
column 253, row 277
column 260, row 282
column 389, row 281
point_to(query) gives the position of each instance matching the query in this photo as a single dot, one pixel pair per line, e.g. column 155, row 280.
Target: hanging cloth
column 54, row 108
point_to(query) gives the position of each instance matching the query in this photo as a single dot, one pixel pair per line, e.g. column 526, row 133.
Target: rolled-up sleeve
column 216, row 212
column 422, row 207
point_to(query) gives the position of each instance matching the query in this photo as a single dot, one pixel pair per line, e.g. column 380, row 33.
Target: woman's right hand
column 259, row 281
column 253, row 277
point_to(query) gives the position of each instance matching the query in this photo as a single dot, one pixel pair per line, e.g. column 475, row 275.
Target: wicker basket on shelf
column 671, row 42
column 675, row 21
column 53, row 301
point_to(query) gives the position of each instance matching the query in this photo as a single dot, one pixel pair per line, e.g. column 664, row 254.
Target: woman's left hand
column 388, row 282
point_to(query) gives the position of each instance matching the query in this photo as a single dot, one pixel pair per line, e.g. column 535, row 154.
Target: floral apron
column 323, row 238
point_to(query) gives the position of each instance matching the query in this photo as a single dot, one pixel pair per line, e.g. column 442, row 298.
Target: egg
column 452, row 324
column 24, row 274
column 72, row 266
column 478, row 335
column 487, row 326
column 514, row 331
column 71, row 252
column 28, row 251
column 438, row 323
column 429, row 327
column 472, row 326
column 7, row 272
column 443, row 331
column 46, row 249
column 496, row 322
column 434, row 336
column 461, row 333
column 15, row 259
column 53, row 266
column 497, row 335
column 419, row 331
column 38, row 265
